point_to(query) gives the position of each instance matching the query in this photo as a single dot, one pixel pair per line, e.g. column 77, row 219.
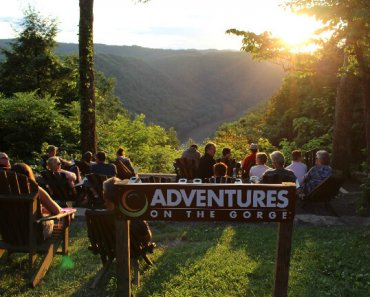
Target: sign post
column 205, row 202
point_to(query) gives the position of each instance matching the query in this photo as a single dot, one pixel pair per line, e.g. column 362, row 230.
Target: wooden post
column 123, row 258
column 284, row 244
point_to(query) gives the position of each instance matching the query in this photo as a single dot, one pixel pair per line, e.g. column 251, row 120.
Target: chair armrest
column 56, row 217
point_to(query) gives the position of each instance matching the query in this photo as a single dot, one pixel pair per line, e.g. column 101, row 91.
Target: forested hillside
column 192, row 91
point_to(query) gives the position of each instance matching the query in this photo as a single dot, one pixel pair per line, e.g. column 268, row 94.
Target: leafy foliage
column 26, row 121
column 30, row 64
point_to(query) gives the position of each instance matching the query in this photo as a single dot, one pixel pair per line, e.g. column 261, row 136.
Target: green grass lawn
column 213, row 259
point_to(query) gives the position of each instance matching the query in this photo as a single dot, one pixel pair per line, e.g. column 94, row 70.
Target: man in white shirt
column 297, row 166
column 259, row 169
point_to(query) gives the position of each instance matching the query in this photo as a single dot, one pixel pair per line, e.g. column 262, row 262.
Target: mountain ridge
column 191, row 90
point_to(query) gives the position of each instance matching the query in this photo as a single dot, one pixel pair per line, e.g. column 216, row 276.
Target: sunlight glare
column 296, row 31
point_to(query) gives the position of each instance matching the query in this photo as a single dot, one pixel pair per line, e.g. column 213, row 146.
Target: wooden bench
column 21, row 224
column 185, row 168
column 324, row 192
column 101, row 231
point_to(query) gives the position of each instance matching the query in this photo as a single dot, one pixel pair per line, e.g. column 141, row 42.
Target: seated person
column 259, row 169
column 318, row 173
column 140, row 231
column 126, row 161
column 4, row 162
column 87, row 158
column 54, row 165
column 279, row 174
column 85, row 164
column 220, row 170
column 48, row 205
column 297, row 166
column 228, row 161
column 206, row 162
column 192, row 153
column 250, row 160
column 103, row 168
column 51, row 151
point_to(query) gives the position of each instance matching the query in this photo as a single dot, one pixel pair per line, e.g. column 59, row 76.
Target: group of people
column 68, row 170
column 253, row 168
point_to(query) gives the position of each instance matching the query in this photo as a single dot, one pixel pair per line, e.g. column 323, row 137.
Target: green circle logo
column 133, row 204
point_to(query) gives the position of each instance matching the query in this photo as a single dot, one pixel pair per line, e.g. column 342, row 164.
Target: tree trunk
column 86, row 69
column 366, row 103
column 343, row 121
column 365, row 86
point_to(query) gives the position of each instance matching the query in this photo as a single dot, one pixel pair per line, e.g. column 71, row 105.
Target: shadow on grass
column 64, row 277
column 258, row 243
column 325, row 261
column 192, row 243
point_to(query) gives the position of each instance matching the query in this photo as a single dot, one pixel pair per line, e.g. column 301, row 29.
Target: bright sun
column 296, row 31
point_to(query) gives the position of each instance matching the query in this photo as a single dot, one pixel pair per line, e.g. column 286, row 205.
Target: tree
column 86, row 70
column 349, row 20
column 30, row 63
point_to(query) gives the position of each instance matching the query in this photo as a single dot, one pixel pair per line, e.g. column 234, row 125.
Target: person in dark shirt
column 206, row 162
column 228, row 161
column 279, row 174
column 103, row 168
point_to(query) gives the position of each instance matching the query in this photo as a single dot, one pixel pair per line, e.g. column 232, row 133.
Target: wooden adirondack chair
column 122, row 171
column 324, row 192
column 101, row 232
column 58, row 187
column 21, row 224
column 185, row 168
column 96, row 183
column 310, row 158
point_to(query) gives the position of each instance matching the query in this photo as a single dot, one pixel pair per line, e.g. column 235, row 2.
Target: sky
column 171, row 24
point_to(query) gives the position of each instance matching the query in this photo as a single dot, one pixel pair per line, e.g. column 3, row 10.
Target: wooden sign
column 205, row 202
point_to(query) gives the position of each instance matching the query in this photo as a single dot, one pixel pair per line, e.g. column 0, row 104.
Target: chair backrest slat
column 24, row 185
column 13, row 182
column 4, row 185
